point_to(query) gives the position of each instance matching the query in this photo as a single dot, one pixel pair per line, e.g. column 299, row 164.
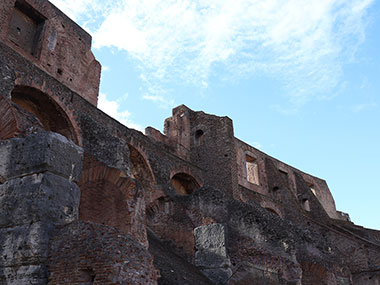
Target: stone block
column 21, row 245
column 342, row 281
column 210, row 236
column 24, row 275
column 252, row 274
column 211, row 255
column 212, row 258
column 218, row 275
column 40, row 152
column 43, row 197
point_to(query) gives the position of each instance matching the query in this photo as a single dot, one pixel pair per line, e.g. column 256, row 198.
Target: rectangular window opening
column 252, row 169
column 26, row 28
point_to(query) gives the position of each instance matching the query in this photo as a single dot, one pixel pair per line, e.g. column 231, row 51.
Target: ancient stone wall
column 37, row 193
column 206, row 206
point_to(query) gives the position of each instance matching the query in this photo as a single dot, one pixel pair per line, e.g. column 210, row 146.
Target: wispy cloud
column 304, row 44
column 256, row 145
column 362, row 107
column 112, row 108
column 105, row 68
column 161, row 100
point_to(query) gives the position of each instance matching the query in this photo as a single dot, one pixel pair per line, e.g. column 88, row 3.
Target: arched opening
column 276, row 193
column 272, row 211
column 158, row 208
column 50, row 115
column 314, row 273
column 142, row 173
column 184, row 183
column 110, row 197
column 9, row 126
column 198, row 137
column 306, row 205
column 275, row 189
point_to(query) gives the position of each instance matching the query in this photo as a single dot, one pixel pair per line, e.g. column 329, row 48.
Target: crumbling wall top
column 42, row 34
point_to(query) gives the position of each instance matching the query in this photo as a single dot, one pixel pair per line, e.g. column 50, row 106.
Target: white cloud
column 302, row 43
column 119, row 32
column 75, row 9
column 362, row 107
column 105, row 68
column 112, row 108
column 256, row 145
column 161, row 100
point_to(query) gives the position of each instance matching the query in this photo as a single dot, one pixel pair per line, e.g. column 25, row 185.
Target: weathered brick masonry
column 86, row 200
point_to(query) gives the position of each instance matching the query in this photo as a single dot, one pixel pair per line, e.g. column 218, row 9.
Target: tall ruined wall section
column 206, row 141
column 51, row 189
column 277, row 225
column 87, row 200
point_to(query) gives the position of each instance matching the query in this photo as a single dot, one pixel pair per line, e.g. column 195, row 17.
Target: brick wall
column 64, row 49
column 110, row 197
column 89, row 253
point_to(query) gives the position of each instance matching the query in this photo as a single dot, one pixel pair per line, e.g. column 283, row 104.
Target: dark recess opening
column 26, row 28
column 198, row 137
column 184, row 183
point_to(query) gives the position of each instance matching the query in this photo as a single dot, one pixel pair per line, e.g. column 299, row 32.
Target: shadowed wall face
column 26, row 28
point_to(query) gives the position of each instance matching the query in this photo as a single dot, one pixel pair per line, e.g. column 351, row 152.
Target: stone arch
column 183, row 183
column 50, row 114
column 271, row 207
column 314, row 273
column 110, row 197
column 276, row 193
column 9, row 125
column 142, row 172
column 305, row 204
column 271, row 210
column 198, row 137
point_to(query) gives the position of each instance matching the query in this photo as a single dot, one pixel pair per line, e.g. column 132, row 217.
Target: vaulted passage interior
column 50, row 115
column 105, row 195
column 184, row 183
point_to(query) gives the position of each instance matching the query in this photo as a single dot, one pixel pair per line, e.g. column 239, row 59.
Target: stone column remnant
column 211, row 253
column 37, row 193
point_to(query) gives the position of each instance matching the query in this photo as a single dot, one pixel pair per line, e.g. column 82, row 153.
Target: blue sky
column 300, row 79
